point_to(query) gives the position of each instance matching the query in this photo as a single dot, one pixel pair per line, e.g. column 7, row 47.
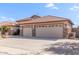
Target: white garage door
column 49, row 32
column 27, row 32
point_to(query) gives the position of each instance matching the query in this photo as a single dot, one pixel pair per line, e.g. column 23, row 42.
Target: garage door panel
column 54, row 32
column 27, row 32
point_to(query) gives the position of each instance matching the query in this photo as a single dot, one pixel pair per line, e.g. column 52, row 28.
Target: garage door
column 27, row 32
column 49, row 32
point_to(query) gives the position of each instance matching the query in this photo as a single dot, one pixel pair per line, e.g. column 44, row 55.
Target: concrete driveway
column 28, row 46
column 22, row 45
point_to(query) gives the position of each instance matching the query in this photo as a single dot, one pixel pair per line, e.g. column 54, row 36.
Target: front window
column 67, row 26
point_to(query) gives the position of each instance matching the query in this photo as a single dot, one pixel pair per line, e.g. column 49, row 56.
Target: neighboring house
column 45, row 26
column 7, row 23
column 76, row 30
column 12, row 25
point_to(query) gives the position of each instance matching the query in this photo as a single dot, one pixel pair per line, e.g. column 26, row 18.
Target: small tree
column 4, row 30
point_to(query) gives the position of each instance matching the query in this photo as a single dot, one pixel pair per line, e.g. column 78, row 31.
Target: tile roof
column 7, row 23
column 44, row 19
column 29, row 18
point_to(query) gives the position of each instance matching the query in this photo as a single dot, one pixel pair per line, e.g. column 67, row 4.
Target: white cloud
column 55, row 8
column 74, row 8
column 6, row 18
column 77, row 16
column 51, row 5
column 3, row 17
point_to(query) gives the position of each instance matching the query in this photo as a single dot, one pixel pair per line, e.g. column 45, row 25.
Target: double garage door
column 45, row 32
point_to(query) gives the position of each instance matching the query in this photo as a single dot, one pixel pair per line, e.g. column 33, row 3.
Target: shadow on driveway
column 64, row 48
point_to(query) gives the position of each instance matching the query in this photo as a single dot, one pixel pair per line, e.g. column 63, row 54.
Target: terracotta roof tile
column 44, row 19
column 7, row 23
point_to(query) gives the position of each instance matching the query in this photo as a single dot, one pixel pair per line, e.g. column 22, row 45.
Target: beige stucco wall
column 52, row 32
column 69, row 26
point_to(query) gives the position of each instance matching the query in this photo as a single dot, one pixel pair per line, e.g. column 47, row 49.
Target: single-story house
column 45, row 26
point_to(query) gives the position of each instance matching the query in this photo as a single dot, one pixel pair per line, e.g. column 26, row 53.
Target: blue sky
column 13, row 12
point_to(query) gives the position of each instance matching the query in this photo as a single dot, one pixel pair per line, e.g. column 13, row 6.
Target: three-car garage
column 43, row 32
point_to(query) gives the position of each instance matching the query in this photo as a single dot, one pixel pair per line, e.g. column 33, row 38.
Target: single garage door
column 49, row 32
column 27, row 32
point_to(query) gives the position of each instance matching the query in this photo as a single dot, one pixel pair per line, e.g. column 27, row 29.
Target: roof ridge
column 56, row 16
